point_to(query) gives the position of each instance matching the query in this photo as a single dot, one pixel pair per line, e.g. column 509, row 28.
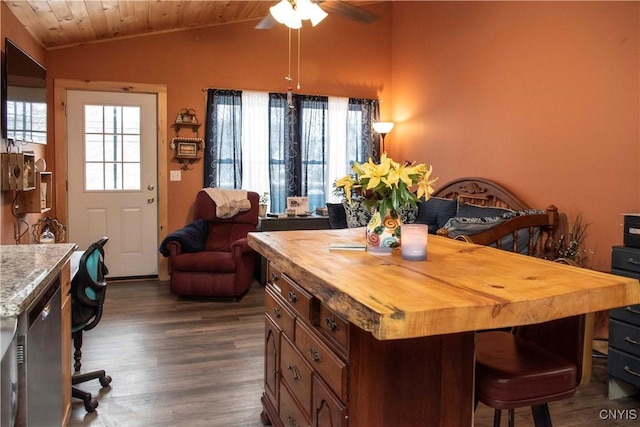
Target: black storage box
column 632, row 230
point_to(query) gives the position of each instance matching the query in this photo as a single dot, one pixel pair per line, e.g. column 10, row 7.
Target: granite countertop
column 24, row 272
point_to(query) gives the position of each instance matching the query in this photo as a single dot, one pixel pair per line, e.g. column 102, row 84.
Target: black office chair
column 88, row 289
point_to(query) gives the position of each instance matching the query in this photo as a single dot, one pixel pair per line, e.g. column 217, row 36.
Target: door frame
column 60, row 88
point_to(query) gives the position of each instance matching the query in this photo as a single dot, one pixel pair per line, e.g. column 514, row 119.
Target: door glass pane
column 112, row 137
column 94, row 176
column 94, row 149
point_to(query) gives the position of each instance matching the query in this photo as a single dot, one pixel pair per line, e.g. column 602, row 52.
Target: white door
column 112, row 177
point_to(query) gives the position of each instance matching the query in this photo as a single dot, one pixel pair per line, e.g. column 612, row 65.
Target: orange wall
column 542, row 97
column 339, row 57
column 11, row 28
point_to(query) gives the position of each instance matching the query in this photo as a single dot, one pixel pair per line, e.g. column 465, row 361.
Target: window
column 112, row 147
column 305, row 142
column 27, row 121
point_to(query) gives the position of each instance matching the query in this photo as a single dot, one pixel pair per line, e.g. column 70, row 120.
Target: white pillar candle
column 413, row 242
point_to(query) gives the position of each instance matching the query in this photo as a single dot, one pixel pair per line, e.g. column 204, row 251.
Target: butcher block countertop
column 461, row 287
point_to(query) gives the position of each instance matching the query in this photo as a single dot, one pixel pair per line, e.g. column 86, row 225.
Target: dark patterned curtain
column 282, row 150
column 297, row 149
column 223, row 151
column 362, row 141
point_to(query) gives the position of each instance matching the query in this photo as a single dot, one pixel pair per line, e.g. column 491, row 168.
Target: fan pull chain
column 300, row 29
column 288, row 78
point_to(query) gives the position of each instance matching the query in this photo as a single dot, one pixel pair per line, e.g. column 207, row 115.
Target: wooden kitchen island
column 364, row 340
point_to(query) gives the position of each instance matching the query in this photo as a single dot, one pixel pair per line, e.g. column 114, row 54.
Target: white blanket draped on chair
column 228, row 202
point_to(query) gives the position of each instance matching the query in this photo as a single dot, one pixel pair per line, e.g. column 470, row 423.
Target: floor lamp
column 383, row 128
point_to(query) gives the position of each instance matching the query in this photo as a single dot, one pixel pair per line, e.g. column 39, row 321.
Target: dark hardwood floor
column 178, row 362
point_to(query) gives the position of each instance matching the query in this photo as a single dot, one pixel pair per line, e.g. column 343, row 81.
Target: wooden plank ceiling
column 63, row 23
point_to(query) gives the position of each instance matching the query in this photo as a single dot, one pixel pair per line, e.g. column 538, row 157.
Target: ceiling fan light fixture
column 282, row 11
column 292, row 16
column 308, row 10
column 317, row 14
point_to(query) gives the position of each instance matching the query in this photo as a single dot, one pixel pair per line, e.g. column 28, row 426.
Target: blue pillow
column 435, row 212
column 458, row 225
column 474, row 211
column 337, row 215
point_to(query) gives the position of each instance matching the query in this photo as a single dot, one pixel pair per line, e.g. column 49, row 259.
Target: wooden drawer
column 624, row 258
column 324, row 361
column 272, row 339
column 625, row 337
column 629, row 314
column 275, row 309
column 297, row 373
column 297, row 298
column 624, row 366
column 290, row 413
column 334, row 327
column 328, row 410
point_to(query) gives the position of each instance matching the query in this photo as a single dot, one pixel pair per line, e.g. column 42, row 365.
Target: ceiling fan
column 318, row 9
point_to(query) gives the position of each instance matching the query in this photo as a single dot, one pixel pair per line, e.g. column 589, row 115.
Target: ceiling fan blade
column 347, row 10
column 266, row 23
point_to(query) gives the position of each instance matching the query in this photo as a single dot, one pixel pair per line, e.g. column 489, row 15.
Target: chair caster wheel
column 90, row 405
column 105, row 381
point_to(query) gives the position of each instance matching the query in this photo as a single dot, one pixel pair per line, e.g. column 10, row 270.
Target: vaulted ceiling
column 63, row 23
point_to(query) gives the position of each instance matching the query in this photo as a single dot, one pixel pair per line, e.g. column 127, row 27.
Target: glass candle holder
column 413, row 242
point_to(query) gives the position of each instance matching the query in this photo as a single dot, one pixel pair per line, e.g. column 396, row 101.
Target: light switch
column 175, row 176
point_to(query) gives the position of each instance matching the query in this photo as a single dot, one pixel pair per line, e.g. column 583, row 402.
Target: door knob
column 150, row 200
column 150, row 187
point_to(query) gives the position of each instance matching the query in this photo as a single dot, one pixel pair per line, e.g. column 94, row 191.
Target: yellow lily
column 425, row 187
column 346, row 183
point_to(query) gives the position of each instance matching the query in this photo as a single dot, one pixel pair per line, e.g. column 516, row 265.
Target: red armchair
column 224, row 269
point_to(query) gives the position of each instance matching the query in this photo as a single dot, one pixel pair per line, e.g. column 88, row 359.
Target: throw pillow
column 356, row 213
column 337, row 215
column 459, row 225
column 467, row 210
column 435, row 212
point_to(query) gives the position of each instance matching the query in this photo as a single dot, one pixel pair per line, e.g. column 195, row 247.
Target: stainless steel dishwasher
column 40, row 361
column 9, row 372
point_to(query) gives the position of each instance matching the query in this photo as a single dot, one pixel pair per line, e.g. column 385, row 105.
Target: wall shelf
column 18, row 171
column 187, row 151
column 39, row 200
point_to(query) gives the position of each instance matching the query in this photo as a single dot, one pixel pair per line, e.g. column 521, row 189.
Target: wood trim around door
column 60, row 88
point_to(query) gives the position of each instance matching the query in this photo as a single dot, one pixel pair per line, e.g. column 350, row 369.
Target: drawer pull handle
column 633, row 261
column 631, row 371
column 293, row 297
column 276, row 312
column 631, row 341
column 632, row 311
column 275, row 277
column 315, row 356
column 292, row 421
column 331, row 324
column 294, row 372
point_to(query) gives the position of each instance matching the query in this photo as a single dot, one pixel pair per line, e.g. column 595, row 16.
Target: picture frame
column 187, row 148
column 298, row 204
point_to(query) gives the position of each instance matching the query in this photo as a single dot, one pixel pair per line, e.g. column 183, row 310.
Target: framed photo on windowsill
column 299, row 204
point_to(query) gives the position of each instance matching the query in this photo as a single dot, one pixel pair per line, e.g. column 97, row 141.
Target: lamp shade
column 383, row 128
column 282, row 11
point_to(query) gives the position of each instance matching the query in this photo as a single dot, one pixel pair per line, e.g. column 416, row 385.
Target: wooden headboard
column 483, row 192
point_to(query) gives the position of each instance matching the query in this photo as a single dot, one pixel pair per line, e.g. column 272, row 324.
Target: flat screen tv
column 24, row 97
